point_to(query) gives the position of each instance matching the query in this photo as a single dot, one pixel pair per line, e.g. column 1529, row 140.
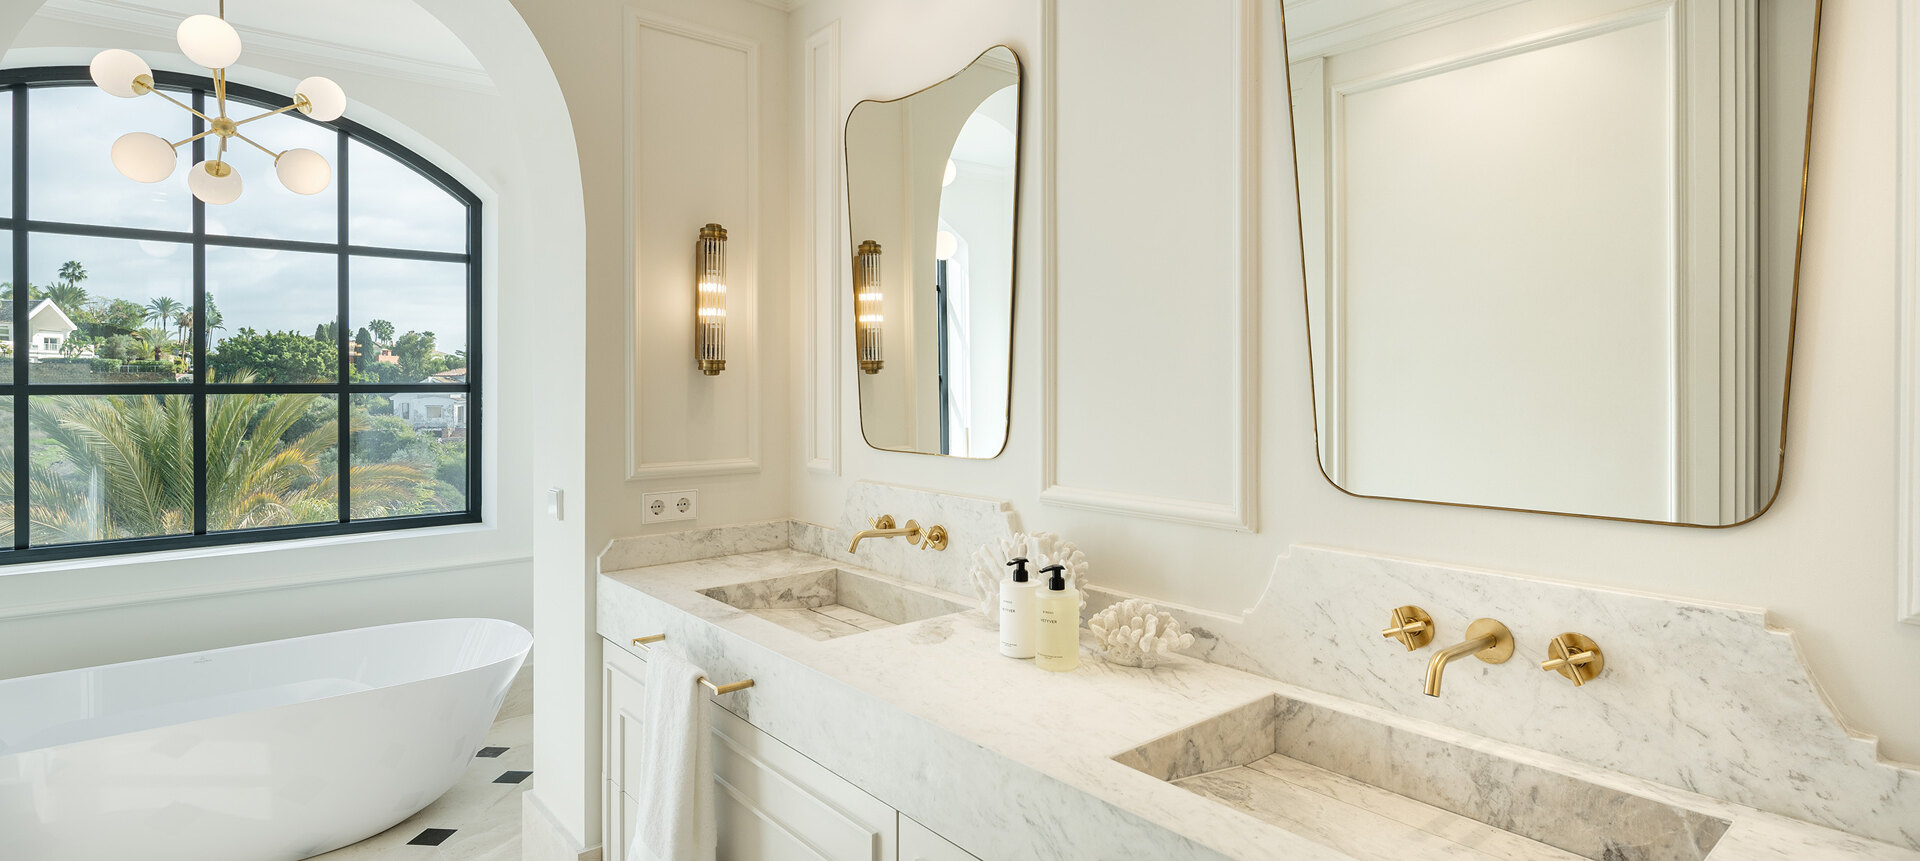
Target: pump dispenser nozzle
column 1019, row 569
column 1056, row 579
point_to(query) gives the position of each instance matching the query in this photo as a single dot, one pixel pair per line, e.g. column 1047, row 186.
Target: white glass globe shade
column 214, row 190
column 209, row 41
column 113, row 70
column 325, row 100
column 953, row 173
column 945, row 245
column 303, row 171
column 142, row 157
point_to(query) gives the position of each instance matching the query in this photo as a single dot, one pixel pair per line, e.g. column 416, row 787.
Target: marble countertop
column 928, row 717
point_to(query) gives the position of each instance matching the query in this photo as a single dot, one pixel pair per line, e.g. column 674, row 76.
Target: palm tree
column 121, row 466
column 69, row 296
column 162, row 309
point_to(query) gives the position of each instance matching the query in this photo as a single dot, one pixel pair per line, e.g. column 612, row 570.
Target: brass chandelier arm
column 192, row 139
column 220, row 89
column 296, row 104
column 183, row 105
column 256, row 145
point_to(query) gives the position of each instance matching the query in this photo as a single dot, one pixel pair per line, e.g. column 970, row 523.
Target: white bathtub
column 270, row 752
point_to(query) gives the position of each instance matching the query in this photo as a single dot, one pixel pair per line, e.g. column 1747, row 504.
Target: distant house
column 445, row 412
column 48, row 329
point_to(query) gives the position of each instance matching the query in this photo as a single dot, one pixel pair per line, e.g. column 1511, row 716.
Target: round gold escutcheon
column 1502, row 647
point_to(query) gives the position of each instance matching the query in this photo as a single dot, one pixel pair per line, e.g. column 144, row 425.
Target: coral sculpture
column 1041, row 550
column 1134, row 633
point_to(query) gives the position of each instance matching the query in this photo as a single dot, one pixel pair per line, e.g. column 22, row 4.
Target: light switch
column 557, row 503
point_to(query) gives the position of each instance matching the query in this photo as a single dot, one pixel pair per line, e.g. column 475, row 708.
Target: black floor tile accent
column 491, row 752
column 513, row 777
column 432, row 837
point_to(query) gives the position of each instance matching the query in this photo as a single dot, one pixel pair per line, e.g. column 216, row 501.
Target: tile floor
column 479, row 818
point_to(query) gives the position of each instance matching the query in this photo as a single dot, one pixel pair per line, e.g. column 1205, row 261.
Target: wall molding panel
column 1907, row 398
column 1240, row 514
column 695, row 187
column 824, row 257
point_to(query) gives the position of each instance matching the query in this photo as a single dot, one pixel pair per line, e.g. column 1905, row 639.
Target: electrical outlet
column 669, row 506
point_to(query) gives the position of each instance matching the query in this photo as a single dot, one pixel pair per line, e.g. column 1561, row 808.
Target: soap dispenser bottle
column 1017, row 626
column 1058, row 646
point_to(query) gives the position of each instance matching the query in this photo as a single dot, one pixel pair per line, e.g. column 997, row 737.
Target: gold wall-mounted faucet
column 1487, row 640
column 883, row 527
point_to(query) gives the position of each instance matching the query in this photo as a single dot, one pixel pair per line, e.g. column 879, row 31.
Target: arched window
column 174, row 374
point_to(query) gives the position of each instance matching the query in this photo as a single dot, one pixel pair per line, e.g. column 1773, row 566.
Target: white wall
column 702, row 73
column 1158, row 441
column 60, row 615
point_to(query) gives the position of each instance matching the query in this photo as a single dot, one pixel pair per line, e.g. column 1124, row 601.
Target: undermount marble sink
column 835, row 602
column 1355, row 785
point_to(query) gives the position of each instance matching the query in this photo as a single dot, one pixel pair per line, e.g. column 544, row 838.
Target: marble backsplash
column 970, row 522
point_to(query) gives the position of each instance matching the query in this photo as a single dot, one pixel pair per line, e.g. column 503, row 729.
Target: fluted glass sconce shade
column 710, row 312
column 868, row 321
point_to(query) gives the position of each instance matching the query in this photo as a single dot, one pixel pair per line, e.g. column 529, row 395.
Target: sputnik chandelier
column 211, row 42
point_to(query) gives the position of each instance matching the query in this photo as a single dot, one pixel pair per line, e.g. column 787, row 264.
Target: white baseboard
column 543, row 838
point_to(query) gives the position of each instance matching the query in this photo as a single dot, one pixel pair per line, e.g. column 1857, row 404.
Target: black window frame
column 15, row 217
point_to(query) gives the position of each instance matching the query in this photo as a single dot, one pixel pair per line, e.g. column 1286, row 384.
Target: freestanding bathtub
column 269, row 752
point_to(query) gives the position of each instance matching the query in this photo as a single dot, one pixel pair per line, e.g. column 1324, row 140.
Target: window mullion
column 22, row 435
column 200, row 404
column 344, row 369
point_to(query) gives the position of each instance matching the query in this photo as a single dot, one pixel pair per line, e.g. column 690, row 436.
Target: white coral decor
column 1041, row 549
column 1133, row 633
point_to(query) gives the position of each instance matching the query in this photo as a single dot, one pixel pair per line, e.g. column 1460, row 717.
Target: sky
column 71, row 178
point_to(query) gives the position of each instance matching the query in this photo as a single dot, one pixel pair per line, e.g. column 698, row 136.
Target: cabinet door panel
column 772, row 803
column 919, row 844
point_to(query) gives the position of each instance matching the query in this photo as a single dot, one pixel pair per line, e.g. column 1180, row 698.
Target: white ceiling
column 396, row 36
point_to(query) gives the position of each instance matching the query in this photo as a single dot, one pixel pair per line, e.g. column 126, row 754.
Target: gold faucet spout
column 911, row 530
column 1487, row 640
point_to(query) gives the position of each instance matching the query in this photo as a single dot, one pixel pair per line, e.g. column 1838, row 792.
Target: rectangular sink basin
column 836, row 603
column 1376, row 791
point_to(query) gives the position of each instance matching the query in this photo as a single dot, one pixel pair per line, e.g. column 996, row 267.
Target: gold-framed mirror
column 933, row 182
column 1551, row 248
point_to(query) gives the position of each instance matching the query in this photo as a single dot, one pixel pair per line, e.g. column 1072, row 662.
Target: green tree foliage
column 415, row 350
column 136, row 452
column 383, row 330
column 327, row 332
column 275, row 357
column 163, row 310
column 389, row 439
column 369, row 355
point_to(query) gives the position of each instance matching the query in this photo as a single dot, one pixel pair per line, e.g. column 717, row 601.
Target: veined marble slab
column 661, row 548
column 1012, row 762
column 1703, row 697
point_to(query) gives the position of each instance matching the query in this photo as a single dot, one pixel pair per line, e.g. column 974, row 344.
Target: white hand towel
column 675, row 819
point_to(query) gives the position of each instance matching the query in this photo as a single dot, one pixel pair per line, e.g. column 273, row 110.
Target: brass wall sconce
column 869, row 319
column 710, row 313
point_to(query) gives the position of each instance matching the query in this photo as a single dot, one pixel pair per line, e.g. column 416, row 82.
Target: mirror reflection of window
column 945, row 158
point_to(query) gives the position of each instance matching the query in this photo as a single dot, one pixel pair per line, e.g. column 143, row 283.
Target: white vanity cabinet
column 772, row 803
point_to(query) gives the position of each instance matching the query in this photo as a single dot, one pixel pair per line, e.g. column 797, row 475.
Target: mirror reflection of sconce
column 868, row 318
column 710, row 314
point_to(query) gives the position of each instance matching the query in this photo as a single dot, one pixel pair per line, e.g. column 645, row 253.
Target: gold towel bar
column 718, row 689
